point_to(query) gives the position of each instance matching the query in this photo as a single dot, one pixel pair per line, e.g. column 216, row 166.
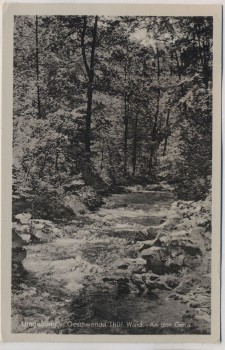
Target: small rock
column 198, row 209
column 194, row 304
column 24, row 218
column 25, row 237
column 57, row 232
column 151, row 232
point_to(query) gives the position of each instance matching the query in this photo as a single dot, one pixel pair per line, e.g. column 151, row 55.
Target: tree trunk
column 154, row 129
column 37, row 71
column 181, row 86
column 154, row 134
column 125, row 133
column 88, row 121
column 204, row 63
column 167, row 131
column 90, row 75
column 135, row 144
column 125, row 120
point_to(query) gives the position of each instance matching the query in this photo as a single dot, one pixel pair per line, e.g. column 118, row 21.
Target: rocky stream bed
column 139, row 265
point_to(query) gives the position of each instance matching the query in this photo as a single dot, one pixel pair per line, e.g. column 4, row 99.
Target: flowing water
column 73, row 284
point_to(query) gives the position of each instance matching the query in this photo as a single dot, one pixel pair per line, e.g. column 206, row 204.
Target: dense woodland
column 108, row 102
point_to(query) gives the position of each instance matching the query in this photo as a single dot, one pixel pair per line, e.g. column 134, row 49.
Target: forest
column 112, row 167
column 111, row 102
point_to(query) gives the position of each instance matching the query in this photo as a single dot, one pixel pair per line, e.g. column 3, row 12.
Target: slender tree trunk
column 181, row 87
column 88, row 121
column 167, row 131
column 90, row 74
column 125, row 132
column 154, row 134
column 178, row 64
column 126, row 112
column 135, row 144
column 154, row 129
column 203, row 60
column 37, row 71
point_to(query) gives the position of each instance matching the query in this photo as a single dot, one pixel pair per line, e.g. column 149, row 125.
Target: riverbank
column 141, row 258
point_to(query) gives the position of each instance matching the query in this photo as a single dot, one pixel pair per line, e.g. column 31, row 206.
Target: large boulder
column 155, row 282
column 137, row 265
column 154, row 257
column 152, row 232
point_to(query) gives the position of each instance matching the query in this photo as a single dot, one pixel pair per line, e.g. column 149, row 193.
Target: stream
column 77, row 283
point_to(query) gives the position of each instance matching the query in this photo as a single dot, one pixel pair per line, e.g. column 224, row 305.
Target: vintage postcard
column 111, row 173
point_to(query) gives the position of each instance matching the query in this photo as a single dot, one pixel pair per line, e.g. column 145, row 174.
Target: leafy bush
column 90, row 198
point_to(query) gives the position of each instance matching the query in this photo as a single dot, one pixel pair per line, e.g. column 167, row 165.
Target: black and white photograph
column 112, row 164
